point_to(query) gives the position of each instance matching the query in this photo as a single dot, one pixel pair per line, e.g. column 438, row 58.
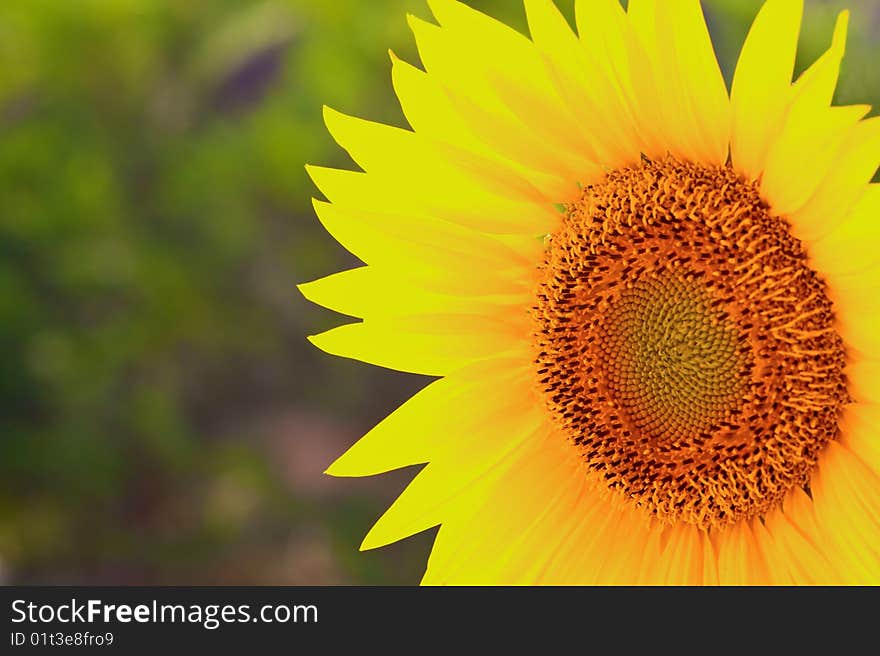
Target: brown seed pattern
column 685, row 345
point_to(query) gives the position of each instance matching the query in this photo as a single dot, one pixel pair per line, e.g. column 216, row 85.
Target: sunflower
column 651, row 306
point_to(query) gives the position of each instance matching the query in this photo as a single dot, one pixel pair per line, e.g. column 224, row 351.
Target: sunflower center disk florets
column 685, row 345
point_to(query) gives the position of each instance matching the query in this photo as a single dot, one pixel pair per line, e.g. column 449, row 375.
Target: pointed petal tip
column 368, row 544
column 358, row 461
column 331, row 116
column 307, row 289
column 382, row 538
column 311, row 171
column 841, row 28
column 377, row 536
column 338, row 470
column 437, row 7
column 326, row 341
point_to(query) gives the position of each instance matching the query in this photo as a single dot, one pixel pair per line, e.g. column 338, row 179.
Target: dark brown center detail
column 685, row 345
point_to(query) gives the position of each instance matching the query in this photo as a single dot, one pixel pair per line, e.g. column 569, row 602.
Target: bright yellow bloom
column 653, row 305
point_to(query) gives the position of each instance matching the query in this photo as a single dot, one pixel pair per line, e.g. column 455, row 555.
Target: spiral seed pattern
column 684, row 344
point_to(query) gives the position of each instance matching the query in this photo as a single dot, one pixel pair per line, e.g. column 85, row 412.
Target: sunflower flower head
column 651, row 304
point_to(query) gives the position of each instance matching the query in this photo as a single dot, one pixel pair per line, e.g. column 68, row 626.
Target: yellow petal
column 860, row 430
column 819, row 81
column 689, row 94
column 425, row 344
column 710, row 561
column 430, row 112
column 856, row 301
column 427, row 164
column 852, row 246
column 423, row 505
column 796, row 555
column 812, row 132
column 740, row 559
column 863, row 380
column 519, row 533
column 845, row 185
column 800, row 512
column 499, row 85
column 439, row 422
column 778, row 566
column 582, row 541
column 621, row 551
column 519, row 524
column 559, row 567
column 599, row 115
column 702, row 80
column 465, row 206
column 428, row 499
column 438, row 255
column 612, row 553
column 761, row 89
column 529, row 549
column 401, row 439
column 654, row 568
column 847, row 510
column 787, row 184
column 610, row 38
column 683, row 556
column 604, row 32
column 427, row 107
column 368, row 292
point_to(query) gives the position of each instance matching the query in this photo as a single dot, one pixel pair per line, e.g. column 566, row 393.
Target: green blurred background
column 162, row 418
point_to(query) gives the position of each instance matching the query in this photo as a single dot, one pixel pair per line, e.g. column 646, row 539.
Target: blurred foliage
column 155, row 219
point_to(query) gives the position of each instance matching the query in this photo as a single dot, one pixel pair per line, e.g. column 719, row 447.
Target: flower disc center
column 684, row 344
column 671, row 359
